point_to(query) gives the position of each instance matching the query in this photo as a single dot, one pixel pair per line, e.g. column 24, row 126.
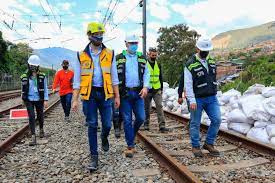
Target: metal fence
column 12, row 82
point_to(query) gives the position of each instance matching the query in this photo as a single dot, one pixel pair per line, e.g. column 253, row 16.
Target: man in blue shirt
column 35, row 95
column 96, row 80
column 134, row 82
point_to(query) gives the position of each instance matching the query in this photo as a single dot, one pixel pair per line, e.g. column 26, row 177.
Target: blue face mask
column 96, row 40
column 133, row 48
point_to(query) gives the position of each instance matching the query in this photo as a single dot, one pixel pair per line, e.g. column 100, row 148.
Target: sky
column 25, row 20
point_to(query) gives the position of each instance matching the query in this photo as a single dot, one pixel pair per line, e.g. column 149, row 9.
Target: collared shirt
column 33, row 94
column 97, row 72
column 132, row 77
column 188, row 81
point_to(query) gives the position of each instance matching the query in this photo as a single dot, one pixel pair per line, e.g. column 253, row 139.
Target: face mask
column 153, row 58
column 204, row 54
column 33, row 68
column 96, row 40
column 133, row 48
column 65, row 67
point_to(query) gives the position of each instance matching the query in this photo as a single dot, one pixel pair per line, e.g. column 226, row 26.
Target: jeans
column 157, row 96
column 39, row 106
column 211, row 106
column 66, row 101
column 97, row 102
column 132, row 103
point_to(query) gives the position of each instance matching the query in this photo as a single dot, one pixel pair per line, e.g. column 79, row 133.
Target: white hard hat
column 132, row 38
column 34, row 60
column 204, row 44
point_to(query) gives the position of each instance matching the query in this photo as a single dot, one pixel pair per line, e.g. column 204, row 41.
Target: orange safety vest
column 87, row 67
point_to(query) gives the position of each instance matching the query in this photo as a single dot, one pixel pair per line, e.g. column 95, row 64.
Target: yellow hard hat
column 94, row 27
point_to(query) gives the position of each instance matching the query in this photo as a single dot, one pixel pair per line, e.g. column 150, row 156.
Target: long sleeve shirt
column 132, row 77
column 188, row 82
column 97, row 72
column 33, row 94
column 64, row 79
column 181, row 85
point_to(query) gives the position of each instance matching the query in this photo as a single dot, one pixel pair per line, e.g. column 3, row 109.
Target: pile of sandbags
column 251, row 114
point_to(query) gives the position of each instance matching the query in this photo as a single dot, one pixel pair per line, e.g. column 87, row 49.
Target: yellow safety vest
column 154, row 76
column 87, row 68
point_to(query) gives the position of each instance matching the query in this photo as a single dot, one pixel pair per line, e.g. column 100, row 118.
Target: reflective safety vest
column 204, row 82
column 121, row 71
column 87, row 68
column 154, row 76
column 25, row 86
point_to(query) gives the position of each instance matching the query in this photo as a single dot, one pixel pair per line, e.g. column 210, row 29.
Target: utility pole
column 144, row 26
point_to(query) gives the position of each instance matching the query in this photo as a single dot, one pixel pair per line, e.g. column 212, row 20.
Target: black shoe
column 212, row 151
column 94, row 163
column 105, row 144
column 41, row 133
column 117, row 133
column 163, row 129
column 33, row 141
column 146, row 127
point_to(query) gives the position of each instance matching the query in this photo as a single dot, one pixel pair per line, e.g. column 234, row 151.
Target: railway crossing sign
column 19, row 114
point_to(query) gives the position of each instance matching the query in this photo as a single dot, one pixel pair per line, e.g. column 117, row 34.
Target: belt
column 134, row 89
column 95, row 88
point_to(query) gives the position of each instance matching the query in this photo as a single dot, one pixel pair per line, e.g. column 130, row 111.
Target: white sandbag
column 260, row 124
column 219, row 93
column 234, row 102
column 224, row 126
column 272, row 119
column 253, row 108
column 268, row 92
column 237, row 116
column 254, row 89
column 242, row 128
column 172, row 98
column 166, row 108
column 269, row 105
column 227, row 95
column 259, row 134
column 178, row 111
column 165, row 85
column 169, row 104
column 270, row 130
column 170, row 92
column 272, row 141
column 164, row 96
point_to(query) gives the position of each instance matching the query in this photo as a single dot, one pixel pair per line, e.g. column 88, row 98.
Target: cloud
column 219, row 13
column 159, row 9
column 65, row 6
column 154, row 26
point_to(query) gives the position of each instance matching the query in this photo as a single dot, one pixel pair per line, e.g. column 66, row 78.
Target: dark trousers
column 66, row 101
column 39, row 106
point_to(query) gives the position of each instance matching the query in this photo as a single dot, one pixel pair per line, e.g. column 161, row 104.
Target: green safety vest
column 154, row 76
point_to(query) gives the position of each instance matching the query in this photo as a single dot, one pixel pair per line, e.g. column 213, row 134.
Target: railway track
column 12, row 130
column 242, row 159
column 9, row 95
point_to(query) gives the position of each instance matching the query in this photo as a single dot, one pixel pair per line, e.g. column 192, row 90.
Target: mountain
column 241, row 38
column 54, row 56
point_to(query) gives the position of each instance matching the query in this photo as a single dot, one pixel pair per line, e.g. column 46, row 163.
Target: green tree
column 3, row 50
column 175, row 44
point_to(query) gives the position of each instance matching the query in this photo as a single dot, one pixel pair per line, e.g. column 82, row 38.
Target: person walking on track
column 96, row 80
column 201, row 89
column 155, row 92
column 134, row 81
column 64, row 79
column 35, row 95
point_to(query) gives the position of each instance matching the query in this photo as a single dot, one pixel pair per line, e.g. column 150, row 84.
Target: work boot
column 33, row 141
column 117, row 127
column 146, row 127
column 197, row 152
column 212, row 151
column 41, row 133
column 163, row 129
column 105, row 144
column 129, row 152
column 94, row 163
column 67, row 119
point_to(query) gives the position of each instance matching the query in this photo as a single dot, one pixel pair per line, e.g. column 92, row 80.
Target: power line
column 105, row 16
column 125, row 16
column 112, row 11
column 59, row 25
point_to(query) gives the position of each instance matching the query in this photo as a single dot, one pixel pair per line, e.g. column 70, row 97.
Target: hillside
column 241, row 38
column 54, row 56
